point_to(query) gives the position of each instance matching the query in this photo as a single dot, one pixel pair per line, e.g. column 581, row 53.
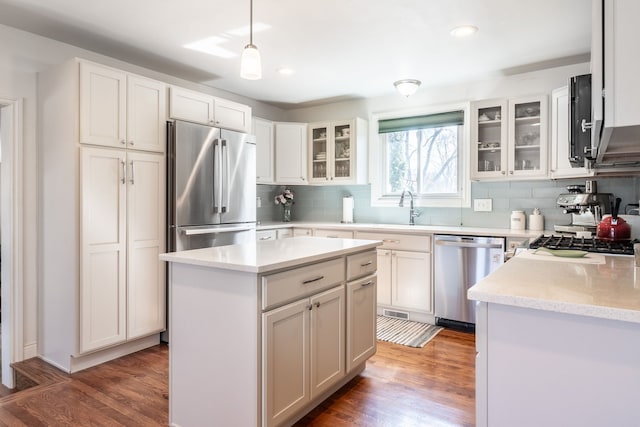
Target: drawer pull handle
column 391, row 241
column 265, row 238
column 370, row 282
column 366, row 263
column 306, row 282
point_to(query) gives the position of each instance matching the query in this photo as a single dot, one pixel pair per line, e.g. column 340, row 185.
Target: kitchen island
column 558, row 342
column 261, row 333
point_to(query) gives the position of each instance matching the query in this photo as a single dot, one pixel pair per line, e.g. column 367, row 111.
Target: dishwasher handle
column 470, row 245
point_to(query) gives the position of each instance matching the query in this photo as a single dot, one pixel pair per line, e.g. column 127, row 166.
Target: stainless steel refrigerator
column 211, row 186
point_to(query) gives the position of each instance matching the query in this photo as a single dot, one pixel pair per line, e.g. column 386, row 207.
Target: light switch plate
column 482, row 205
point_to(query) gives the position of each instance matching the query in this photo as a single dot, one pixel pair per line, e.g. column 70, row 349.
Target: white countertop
column 266, row 256
column 610, row 290
column 405, row 228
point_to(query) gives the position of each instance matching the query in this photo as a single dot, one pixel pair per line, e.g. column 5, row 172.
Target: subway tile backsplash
column 324, row 203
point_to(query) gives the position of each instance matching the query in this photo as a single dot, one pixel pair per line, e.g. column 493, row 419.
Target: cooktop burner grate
column 588, row 244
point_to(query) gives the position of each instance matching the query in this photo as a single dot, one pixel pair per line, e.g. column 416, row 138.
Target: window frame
column 378, row 153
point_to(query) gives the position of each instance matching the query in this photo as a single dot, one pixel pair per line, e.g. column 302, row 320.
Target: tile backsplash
column 324, row 203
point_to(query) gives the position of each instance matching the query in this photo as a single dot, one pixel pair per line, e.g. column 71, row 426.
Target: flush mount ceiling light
column 464, row 31
column 250, row 64
column 407, row 87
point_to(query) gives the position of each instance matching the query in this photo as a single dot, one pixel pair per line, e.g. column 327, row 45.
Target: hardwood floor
column 401, row 386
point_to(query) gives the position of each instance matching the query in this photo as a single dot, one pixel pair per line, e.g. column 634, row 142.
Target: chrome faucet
column 413, row 213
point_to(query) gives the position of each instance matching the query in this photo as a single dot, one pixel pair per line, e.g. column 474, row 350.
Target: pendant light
column 250, row 63
column 407, row 87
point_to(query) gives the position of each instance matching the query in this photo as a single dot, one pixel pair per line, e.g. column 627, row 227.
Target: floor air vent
column 397, row 314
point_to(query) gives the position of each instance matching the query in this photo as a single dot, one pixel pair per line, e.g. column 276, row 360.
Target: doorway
column 11, row 261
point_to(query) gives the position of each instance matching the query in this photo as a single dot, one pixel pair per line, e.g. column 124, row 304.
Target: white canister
column 536, row 220
column 517, row 220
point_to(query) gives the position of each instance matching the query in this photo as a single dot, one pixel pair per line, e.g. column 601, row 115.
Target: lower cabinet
column 122, row 287
column 336, row 234
column 361, row 321
column 404, row 271
column 303, row 352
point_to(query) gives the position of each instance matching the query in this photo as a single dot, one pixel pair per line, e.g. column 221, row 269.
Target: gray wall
column 324, row 203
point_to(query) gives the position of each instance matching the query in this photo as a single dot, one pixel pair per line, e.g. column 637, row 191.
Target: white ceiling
column 339, row 49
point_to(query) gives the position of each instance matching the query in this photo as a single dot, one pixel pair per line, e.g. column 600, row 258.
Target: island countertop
column 266, row 256
column 608, row 288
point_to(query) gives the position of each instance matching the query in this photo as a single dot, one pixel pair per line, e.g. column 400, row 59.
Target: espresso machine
column 586, row 207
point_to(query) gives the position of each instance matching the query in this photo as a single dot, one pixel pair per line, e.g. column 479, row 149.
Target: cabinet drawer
column 342, row 234
column 361, row 264
column 263, row 235
column 301, row 282
column 398, row 241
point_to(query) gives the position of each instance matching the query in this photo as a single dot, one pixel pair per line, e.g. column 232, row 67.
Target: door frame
column 11, row 224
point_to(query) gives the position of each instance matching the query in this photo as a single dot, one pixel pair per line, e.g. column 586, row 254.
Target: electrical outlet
column 482, row 205
column 258, row 202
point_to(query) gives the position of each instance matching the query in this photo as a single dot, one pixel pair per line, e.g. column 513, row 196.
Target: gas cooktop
column 588, row 244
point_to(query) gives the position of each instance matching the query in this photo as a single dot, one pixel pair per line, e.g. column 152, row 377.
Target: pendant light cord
column 251, row 22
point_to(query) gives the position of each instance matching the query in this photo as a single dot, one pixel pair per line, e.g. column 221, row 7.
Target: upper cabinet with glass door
column 528, row 141
column 509, row 138
column 337, row 152
column 489, row 139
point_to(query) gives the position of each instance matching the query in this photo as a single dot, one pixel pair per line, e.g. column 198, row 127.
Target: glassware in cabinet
column 489, row 138
column 319, row 155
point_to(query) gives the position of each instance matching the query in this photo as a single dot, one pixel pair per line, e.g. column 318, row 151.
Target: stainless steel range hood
column 618, row 147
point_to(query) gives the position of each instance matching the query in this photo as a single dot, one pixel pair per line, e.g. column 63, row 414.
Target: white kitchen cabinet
column 291, row 153
column 122, row 294
column 121, row 109
column 404, row 273
column 509, row 138
column 560, row 166
column 303, row 352
column 103, row 244
column 302, row 232
column 103, row 224
column 265, row 151
column 209, row 110
column 528, row 142
column 361, row 320
column 489, row 139
column 284, row 233
column 334, row 234
column 338, row 152
column 263, row 235
column 614, row 68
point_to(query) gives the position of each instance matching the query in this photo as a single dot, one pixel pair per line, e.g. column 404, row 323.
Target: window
column 424, row 153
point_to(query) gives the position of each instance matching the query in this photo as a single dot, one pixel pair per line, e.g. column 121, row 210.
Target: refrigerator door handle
column 216, row 177
column 193, row 231
column 225, row 177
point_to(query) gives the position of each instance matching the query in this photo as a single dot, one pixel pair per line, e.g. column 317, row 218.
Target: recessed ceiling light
column 286, row 71
column 464, row 31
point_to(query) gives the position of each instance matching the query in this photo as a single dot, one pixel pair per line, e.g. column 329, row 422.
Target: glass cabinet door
column 489, row 139
column 319, row 135
column 341, row 153
column 528, row 136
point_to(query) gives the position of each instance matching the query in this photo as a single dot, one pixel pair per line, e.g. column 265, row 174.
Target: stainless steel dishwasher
column 459, row 263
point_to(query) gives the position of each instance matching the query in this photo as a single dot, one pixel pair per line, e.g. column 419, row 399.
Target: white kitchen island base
column 220, row 353
column 558, row 343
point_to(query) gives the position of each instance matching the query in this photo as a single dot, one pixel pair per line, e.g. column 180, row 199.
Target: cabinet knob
column 131, row 142
column 503, row 172
column 123, row 142
column 318, row 304
column 511, row 172
column 309, row 307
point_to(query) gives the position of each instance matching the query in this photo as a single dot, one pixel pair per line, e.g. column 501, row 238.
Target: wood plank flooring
column 401, row 386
